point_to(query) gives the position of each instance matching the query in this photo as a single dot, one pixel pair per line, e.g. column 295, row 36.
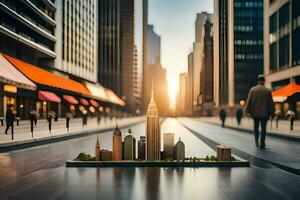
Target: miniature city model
column 123, row 153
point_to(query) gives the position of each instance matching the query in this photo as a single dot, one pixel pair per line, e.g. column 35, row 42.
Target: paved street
column 278, row 150
column 39, row 172
column 247, row 124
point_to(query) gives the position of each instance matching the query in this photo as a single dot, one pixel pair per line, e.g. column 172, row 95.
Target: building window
column 284, row 15
column 296, row 46
column 273, row 23
column 273, row 57
column 284, row 51
column 295, row 8
column 272, row 1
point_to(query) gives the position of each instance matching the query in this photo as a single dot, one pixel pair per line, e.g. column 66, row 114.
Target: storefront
column 70, row 105
column 55, row 93
column 16, row 90
column 99, row 93
column 46, row 92
column 287, row 98
column 47, row 102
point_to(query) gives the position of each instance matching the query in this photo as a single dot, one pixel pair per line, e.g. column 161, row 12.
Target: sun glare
column 172, row 90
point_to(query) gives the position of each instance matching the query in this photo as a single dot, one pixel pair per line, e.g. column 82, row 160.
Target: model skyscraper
column 142, row 148
column 168, row 146
column 179, row 150
column 152, row 131
column 117, row 144
column 129, row 147
column 97, row 150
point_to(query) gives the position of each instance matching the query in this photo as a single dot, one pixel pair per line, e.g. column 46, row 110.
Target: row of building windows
column 78, row 36
column 44, row 8
column 247, row 28
column 25, row 33
column 248, row 4
column 284, row 44
column 248, row 42
column 248, row 56
column 280, row 18
column 27, row 14
column 249, row 13
column 280, row 54
column 249, row 21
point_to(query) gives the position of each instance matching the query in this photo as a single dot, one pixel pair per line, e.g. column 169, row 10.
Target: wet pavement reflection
column 39, row 173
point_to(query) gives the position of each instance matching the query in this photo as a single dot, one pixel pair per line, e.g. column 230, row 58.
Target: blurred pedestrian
column 239, row 116
column 260, row 107
column 68, row 117
column 84, row 117
column 291, row 115
column 9, row 118
column 223, row 116
column 277, row 116
column 34, row 115
column 98, row 118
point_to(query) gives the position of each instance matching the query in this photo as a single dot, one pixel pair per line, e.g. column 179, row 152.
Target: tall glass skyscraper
column 238, row 48
column 109, row 45
column 248, row 46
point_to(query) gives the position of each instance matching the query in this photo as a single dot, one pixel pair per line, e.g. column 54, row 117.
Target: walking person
column 260, row 107
column 223, row 116
column 239, row 116
column 9, row 118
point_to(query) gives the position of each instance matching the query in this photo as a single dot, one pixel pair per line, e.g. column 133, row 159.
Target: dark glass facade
column 248, row 46
column 207, row 73
column 109, row 48
column 127, row 52
column 223, row 51
column 296, row 32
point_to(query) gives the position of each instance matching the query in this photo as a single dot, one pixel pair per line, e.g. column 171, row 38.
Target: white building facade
column 76, row 33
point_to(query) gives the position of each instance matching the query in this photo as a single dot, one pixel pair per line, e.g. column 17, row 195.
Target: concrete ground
column 279, row 151
column 40, row 172
column 247, row 125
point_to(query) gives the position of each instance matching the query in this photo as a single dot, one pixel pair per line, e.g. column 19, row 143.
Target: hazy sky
column 174, row 21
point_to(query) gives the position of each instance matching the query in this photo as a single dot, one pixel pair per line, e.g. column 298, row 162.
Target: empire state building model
column 153, row 131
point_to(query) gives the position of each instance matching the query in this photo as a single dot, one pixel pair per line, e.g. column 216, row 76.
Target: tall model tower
column 117, row 144
column 97, row 149
column 153, row 131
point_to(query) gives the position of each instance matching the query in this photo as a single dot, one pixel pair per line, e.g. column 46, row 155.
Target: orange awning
column 48, row 96
column 287, row 91
column 10, row 75
column 44, row 77
column 113, row 98
column 97, row 90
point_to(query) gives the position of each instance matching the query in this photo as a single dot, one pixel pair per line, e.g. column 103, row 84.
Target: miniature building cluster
column 148, row 147
column 126, row 150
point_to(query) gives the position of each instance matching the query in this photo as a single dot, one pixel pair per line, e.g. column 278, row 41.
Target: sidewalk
column 247, row 125
column 279, row 152
column 22, row 134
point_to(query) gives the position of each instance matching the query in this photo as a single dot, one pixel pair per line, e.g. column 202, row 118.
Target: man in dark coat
column 9, row 118
column 260, row 107
column 223, row 116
